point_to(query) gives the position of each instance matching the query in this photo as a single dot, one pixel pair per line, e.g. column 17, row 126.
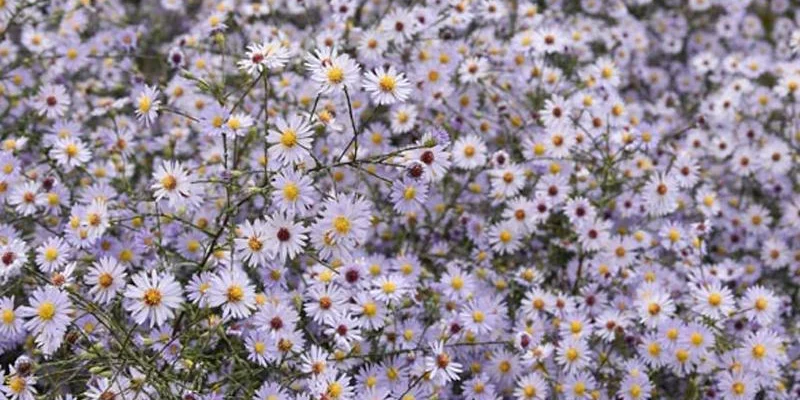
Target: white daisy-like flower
column 713, row 300
column 286, row 237
column 760, row 304
column 153, row 297
column 232, row 290
column 440, row 364
column 70, row 152
column 387, row 86
column 271, row 55
column 290, row 140
column 172, row 181
column 332, row 71
column 107, row 278
column 11, row 324
column 50, row 314
column 52, row 254
column 473, row 69
column 52, row 101
column 146, row 104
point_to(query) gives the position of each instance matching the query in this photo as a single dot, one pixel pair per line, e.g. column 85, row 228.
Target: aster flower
column 660, row 194
column 14, row 256
column 440, row 364
column 52, row 101
column 271, row 55
column 172, row 181
column 11, row 324
column 293, row 191
column 232, row 291
column 286, row 237
column 387, row 86
column 531, row 387
column 253, row 245
column 238, row 124
column 49, row 316
column 761, row 350
column 473, row 69
column 25, row 197
column 345, row 220
column 146, row 104
column 107, row 278
column 332, row 71
column 153, row 297
column 19, row 387
column 408, row 195
column 759, row 304
column 572, row 354
column 469, row 152
column 390, row 288
column 291, row 140
column 713, row 301
column 325, row 302
column 738, row 385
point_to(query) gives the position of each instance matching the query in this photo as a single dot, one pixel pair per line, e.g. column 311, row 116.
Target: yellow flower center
column 682, row 355
column 575, row 327
column 71, row 150
column 291, row 192
column 341, row 224
column 234, row 123
column 254, row 244
column 696, row 338
column 370, row 309
column 152, row 297
column 16, row 384
column 193, row 246
column 169, row 182
column 672, row 334
column 457, row 283
column 235, row 294
column 126, row 255
column 8, row 316
column 759, row 351
column 105, row 279
column 654, row 349
column 335, row 390
column 259, row 347
column 289, row 138
column 50, row 254
column 571, row 354
column 635, row 391
column 47, row 310
column 579, row 388
column 761, row 304
column 469, row 150
column 387, row 83
column 389, row 287
column 673, row 235
column 144, row 104
column 478, row 316
column 335, row 75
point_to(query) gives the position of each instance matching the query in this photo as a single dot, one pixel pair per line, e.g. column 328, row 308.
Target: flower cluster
column 350, row 199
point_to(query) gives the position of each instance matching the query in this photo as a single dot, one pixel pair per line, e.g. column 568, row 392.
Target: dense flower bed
column 352, row 199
